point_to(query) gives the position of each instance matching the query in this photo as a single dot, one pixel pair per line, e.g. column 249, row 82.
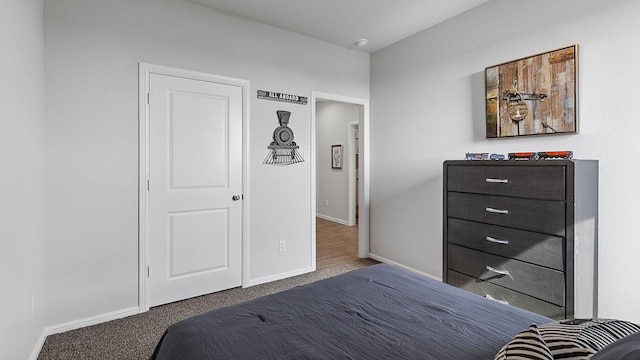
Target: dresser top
column 545, row 162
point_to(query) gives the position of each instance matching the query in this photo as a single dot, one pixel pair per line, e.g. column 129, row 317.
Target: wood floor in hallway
column 335, row 242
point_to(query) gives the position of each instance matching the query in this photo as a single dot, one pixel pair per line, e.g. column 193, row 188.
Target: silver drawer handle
column 497, row 241
column 497, row 181
column 496, row 211
column 494, row 299
column 499, row 272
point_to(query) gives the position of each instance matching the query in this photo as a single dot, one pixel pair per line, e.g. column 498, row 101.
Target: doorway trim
column 363, row 193
column 144, row 73
column 351, row 172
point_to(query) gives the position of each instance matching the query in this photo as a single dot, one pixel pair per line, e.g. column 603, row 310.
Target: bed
column 377, row 312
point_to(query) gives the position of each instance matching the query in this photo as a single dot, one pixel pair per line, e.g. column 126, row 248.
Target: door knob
column 236, row 197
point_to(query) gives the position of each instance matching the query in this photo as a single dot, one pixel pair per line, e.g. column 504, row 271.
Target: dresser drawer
column 534, row 215
column 542, row 283
column 504, row 295
column 536, row 248
column 539, row 182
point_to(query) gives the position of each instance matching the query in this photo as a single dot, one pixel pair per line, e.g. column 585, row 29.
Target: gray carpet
column 135, row 337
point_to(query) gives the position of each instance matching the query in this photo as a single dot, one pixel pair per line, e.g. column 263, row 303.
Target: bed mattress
column 377, row 312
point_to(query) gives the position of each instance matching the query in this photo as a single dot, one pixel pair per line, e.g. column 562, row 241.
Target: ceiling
column 342, row 22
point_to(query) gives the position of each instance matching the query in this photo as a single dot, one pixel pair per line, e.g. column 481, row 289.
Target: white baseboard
column 93, row 320
column 38, row 346
column 335, row 220
column 266, row 279
column 387, row 261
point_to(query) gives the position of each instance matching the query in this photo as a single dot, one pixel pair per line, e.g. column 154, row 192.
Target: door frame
column 144, row 73
column 363, row 193
column 351, row 173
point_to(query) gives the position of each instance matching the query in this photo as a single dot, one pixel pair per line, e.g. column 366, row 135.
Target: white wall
column 21, row 183
column 92, row 50
column 332, row 122
column 427, row 104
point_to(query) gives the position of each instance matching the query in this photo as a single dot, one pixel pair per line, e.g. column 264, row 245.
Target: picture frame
column 336, row 156
column 535, row 95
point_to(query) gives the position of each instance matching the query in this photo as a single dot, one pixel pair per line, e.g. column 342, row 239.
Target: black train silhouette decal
column 283, row 150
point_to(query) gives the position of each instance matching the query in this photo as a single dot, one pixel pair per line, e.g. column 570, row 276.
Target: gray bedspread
column 378, row 312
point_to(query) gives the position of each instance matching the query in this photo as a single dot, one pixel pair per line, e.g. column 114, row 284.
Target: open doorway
column 340, row 184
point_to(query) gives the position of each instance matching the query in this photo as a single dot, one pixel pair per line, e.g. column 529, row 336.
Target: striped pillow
column 567, row 340
column 580, row 339
column 528, row 344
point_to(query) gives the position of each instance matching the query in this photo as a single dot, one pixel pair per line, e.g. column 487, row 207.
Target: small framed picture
column 336, row 156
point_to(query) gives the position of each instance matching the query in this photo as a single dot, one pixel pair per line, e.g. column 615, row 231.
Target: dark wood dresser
column 524, row 232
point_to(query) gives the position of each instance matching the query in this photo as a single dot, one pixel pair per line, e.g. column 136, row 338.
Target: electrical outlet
column 283, row 245
column 326, row 203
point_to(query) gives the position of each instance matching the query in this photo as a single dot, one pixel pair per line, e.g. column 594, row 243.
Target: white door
column 195, row 187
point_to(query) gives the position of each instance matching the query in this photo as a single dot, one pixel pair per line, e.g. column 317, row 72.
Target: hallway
column 335, row 242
